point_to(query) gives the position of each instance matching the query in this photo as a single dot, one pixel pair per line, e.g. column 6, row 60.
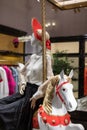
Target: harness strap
column 59, row 86
column 57, row 93
column 57, row 90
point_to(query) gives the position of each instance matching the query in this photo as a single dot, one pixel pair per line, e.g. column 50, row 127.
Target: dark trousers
column 16, row 112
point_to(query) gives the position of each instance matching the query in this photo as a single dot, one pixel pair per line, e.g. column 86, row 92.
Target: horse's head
column 64, row 91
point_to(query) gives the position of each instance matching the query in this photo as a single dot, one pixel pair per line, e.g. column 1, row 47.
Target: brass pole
column 43, row 10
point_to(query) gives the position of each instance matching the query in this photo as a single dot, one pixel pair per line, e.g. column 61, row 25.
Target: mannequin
column 15, row 111
column 35, row 62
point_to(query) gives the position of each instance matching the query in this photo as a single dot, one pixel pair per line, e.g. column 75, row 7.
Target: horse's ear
column 71, row 74
column 62, row 74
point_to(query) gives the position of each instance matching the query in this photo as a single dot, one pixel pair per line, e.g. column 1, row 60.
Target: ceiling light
column 53, row 23
column 49, row 24
column 38, row 0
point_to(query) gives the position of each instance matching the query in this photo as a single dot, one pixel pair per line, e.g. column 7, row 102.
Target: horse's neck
column 52, row 103
column 58, row 108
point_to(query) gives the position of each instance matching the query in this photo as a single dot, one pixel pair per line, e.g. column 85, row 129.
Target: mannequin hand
column 33, row 102
column 21, row 92
column 22, row 89
column 15, row 40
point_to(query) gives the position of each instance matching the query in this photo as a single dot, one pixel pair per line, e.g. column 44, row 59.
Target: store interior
column 67, row 26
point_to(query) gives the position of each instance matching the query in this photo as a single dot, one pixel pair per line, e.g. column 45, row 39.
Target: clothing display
column 16, row 78
column 8, row 83
column 43, row 68
column 4, row 90
column 15, row 110
column 11, row 81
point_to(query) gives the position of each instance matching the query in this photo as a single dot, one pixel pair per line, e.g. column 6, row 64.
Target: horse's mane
column 47, row 103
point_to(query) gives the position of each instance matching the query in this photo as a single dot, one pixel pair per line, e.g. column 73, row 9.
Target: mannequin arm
column 22, row 80
column 22, row 76
column 42, row 89
column 22, row 39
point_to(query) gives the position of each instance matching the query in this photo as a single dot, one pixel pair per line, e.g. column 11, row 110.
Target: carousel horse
column 59, row 98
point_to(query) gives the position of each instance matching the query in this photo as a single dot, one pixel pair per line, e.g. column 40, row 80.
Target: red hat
column 37, row 26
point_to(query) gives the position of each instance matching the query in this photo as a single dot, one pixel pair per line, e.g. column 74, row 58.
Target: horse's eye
column 63, row 89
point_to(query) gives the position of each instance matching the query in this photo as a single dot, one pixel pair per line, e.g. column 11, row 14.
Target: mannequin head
column 34, row 41
column 36, row 38
column 37, row 33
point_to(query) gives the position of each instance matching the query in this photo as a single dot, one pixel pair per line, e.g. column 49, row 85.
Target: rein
column 57, row 90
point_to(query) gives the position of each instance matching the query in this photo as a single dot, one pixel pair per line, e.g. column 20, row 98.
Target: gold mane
column 47, row 103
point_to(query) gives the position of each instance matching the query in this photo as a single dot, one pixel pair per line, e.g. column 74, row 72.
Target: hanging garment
column 4, row 89
column 15, row 76
column 11, row 81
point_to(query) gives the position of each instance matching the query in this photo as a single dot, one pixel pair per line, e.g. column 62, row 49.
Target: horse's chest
column 50, row 120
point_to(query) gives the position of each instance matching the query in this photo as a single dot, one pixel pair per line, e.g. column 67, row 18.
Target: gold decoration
column 69, row 4
column 47, row 103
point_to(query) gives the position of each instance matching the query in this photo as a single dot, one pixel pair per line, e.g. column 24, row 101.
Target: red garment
column 11, row 81
column 85, row 81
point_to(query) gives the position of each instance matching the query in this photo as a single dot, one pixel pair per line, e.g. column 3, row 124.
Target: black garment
column 15, row 110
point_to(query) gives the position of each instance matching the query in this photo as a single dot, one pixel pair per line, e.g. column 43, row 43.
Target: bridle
column 58, row 93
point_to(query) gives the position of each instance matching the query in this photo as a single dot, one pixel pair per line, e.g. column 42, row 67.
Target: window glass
column 68, row 61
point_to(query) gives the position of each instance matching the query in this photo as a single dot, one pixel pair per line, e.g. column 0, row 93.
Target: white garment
column 34, row 71
column 4, row 89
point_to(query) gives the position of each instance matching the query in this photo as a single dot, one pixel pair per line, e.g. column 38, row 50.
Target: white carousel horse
column 59, row 99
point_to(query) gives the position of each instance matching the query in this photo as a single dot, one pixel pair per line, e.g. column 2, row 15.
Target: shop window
column 72, row 50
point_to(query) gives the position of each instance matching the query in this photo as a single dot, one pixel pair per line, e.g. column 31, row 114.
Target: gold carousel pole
column 43, row 9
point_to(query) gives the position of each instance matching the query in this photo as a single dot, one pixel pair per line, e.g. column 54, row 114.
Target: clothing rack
column 10, row 62
column 2, row 52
